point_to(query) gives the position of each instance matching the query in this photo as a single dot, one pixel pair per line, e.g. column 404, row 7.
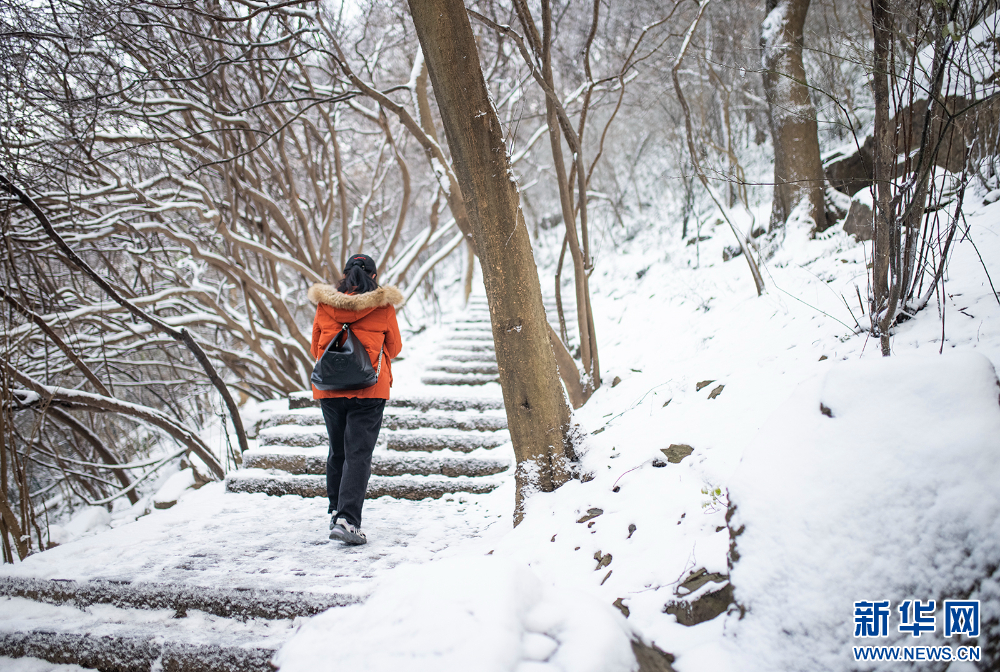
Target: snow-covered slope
column 706, row 366
column 717, row 410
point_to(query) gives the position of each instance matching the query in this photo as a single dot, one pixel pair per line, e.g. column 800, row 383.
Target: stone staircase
column 124, row 627
column 467, row 356
column 182, row 599
column 431, row 444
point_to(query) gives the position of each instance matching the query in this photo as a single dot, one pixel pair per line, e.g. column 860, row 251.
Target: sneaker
column 333, row 520
column 347, row 533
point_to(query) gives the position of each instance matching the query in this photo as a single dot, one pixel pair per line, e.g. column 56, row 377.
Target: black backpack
column 345, row 366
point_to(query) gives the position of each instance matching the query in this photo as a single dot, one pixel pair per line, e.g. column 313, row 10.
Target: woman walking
column 354, row 417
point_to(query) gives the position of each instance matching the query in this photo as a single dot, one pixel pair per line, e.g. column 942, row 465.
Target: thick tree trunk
column 798, row 171
column 537, row 414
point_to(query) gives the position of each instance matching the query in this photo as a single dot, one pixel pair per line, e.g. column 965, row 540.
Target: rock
column 758, row 232
column 615, row 381
column 716, row 392
column 651, row 658
column 703, row 384
column 860, row 222
column 621, row 607
column 659, row 463
column 677, row 452
column 591, row 514
column 602, row 560
column 631, row 528
column 698, row 239
column 697, row 579
column 705, row 608
column 851, row 172
column 731, row 252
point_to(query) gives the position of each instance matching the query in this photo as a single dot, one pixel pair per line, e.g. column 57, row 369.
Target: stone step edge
column 378, row 486
column 475, row 368
column 133, row 654
column 382, row 465
column 458, row 379
column 227, row 603
column 299, row 400
column 315, row 436
column 481, row 421
column 399, row 447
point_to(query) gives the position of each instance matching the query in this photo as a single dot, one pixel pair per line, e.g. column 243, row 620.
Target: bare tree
column 693, row 152
column 798, row 172
column 538, row 416
column 933, row 67
column 202, row 163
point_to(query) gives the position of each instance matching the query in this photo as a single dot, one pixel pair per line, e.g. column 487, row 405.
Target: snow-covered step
column 242, row 603
column 302, row 436
column 299, row 436
column 484, row 368
column 127, row 639
column 302, row 418
column 477, row 335
column 419, row 402
column 466, row 356
column 142, row 650
column 431, row 440
column 473, row 346
column 430, row 465
column 397, row 464
column 442, row 402
column 457, row 379
column 473, row 421
column 400, row 487
column 396, row 418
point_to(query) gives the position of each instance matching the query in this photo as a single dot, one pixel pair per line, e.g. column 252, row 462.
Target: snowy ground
column 213, row 538
column 836, row 509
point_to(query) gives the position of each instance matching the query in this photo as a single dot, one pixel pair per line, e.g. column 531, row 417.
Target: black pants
column 353, row 426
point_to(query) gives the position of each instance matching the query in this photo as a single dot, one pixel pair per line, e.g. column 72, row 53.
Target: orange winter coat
column 372, row 317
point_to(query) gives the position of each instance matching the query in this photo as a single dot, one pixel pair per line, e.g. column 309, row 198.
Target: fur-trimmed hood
column 382, row 296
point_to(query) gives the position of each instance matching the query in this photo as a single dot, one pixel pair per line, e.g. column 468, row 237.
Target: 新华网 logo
column 916, row 617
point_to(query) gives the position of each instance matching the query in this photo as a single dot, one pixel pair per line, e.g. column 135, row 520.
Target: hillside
column 717, row 409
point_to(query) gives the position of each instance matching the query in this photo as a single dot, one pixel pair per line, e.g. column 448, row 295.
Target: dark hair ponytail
column 356, row 280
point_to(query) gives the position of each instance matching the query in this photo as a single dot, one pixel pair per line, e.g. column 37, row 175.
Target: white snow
column 215, row 539
column 89, row 519
column 176, row 486
column 470, row 613
column 19, row 614
column 892, row 497
column 35, row 665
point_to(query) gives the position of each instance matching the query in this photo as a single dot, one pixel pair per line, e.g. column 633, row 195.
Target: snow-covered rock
column 174, row 488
